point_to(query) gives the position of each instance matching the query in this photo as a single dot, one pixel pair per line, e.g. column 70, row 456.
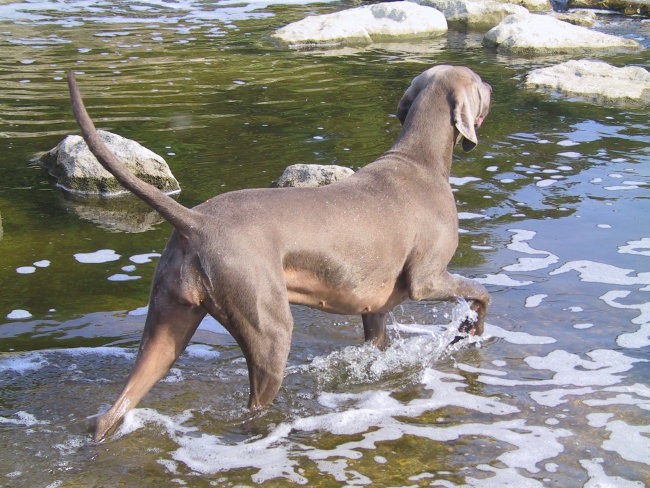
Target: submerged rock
column 475, row 14
column 544, row 34
column 595, row 81
column 78, row 171
column 311, row 175
column 365, row 24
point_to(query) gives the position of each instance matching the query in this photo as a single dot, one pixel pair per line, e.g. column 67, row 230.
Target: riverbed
column 553, row 207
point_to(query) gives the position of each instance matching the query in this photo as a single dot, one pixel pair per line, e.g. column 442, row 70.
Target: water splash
column 413, row 348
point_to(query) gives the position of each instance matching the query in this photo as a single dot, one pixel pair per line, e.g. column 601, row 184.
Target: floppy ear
column 466, row 113
column 410, row 94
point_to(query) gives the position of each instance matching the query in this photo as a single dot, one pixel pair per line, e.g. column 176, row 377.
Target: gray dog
column 360, row 246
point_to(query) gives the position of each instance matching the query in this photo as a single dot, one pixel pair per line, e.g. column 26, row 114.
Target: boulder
column 78, row 171
column 476, row 14
column 544, row 34
column 311, row 175
column 595, row 81
column 365, row 24
column 628, row 7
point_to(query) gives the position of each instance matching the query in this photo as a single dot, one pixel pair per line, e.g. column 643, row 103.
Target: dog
column 359, row 246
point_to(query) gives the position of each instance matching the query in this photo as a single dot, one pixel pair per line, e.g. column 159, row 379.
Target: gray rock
column 311, row 175
column 543, row 34
column 594, row 81
column 363, row 25
column 78, row 171
column 476, row 14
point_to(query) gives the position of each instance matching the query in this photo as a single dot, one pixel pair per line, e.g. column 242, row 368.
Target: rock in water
column 78, row 171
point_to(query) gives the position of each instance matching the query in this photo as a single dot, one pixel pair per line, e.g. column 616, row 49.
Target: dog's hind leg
column 168, row 329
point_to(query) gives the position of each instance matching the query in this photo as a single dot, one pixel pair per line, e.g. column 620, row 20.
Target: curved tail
column 182, row 218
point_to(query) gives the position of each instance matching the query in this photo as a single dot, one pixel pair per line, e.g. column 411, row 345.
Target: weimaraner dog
column 360, row 246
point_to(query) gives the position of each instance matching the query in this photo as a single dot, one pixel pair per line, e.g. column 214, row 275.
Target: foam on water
column 97, row 257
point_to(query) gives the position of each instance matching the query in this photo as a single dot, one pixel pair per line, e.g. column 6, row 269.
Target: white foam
column 534, row 300
column 44, row 263
column 26, row 270
column 97, row 257
column 21, row 363
column 545, row 183
column 144, row 258
column 24, row 419
column 515, row 337
column 631, row 442
column 123, row 277
column 570, row 154
column 456, row 181
column 202, row 351
column 471, row 216
column 501, row 279
column 641, row 337
column 19, row 314
column 603, row 369
column 594, row 272
column 567, row 143
column 599, row 479
column 640, row 247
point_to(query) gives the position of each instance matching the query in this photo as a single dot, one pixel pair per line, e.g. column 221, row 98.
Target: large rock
column 370, row 23
column 594, row 81
column 476, row 14
column 78, row 171
column 311, row 175
column 543, row 34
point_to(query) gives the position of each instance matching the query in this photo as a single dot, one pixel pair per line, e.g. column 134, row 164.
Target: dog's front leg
column 449, row 287
column 374, row 329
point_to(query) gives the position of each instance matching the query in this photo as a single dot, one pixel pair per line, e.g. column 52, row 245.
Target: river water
column 554, row 215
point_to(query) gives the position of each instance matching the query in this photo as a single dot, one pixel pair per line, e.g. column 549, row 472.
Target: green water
column 203, row 86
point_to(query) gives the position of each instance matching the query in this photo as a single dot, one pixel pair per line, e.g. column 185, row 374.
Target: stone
column 543, row 34
column 476, row 14
column 363, row 25
column 594, row 81
column 77, row 170
column 311, row 175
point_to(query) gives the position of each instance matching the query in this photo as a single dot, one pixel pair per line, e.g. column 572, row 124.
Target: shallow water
column 553, row 206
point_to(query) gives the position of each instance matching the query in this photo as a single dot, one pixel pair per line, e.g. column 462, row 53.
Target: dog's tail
column 182, row 218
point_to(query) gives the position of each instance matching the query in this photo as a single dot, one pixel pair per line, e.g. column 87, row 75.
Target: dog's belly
column 304, row 288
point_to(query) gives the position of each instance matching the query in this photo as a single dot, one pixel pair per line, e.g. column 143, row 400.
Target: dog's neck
column 428, row 135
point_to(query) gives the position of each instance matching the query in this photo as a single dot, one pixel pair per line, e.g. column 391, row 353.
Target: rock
column 78, row 171
column 595, row 81
column 543, row 34
column 311, row 175
column 366, row 24
column 583, row 17
column 628, row 7
column 475, row 14
column 532, row 5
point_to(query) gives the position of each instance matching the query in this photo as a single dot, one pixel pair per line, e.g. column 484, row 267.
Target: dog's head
column 469, row 98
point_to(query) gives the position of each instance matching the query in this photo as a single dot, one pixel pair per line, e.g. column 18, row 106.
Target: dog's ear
column 471, row 105
column 410, row 94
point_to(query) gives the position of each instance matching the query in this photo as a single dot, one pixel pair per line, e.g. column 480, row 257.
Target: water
column 553, row 206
